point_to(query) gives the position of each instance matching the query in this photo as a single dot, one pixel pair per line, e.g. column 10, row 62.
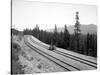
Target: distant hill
column 91, row 28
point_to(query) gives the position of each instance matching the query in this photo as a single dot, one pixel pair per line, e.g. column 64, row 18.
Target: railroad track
column 59, row 62
column 84, row 61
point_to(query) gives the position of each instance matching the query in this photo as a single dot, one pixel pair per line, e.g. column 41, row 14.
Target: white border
column 5, row 19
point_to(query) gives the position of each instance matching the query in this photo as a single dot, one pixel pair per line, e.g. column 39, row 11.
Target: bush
column 16, row 67
column 16, row 46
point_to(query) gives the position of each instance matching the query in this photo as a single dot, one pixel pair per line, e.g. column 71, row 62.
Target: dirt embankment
column 27, row 61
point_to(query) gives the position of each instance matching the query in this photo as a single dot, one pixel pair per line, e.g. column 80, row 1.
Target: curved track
column 52, row 58
column 84, row 61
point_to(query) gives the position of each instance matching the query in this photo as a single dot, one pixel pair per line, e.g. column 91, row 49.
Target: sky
column 26, row 14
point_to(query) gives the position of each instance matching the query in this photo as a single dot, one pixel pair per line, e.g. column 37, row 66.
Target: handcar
column 52, row 47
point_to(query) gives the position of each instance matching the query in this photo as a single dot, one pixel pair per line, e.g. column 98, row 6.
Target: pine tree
column 55, row 36
column 77, row 33
column 66, row 38
column 36, row 31
column 61, row 41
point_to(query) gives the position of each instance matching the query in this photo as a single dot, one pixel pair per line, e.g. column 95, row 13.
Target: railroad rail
column 84, row 61
column 59, row 62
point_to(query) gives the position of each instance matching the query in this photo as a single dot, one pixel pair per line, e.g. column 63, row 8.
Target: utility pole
column 77, row 31
column 37, row 28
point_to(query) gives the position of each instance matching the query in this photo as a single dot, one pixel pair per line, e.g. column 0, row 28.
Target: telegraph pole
column 37, row 28
column 77, row 31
